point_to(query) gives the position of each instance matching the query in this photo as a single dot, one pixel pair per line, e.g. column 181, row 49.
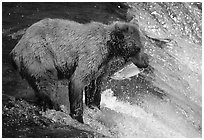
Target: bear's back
column 57, row 42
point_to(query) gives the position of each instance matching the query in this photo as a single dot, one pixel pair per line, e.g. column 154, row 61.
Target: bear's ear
column 122, row 27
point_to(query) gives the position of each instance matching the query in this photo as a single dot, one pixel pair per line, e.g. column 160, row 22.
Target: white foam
column 135, row 121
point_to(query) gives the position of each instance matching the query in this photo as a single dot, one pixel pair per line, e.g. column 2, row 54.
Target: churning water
column 171, row 103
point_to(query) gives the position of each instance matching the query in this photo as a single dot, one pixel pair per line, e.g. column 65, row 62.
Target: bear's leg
column 44, row 84
column 93, row 94
column 89, row 92
column 63, row 95
column 47, row 93
column 97, row 95
column 76, row 98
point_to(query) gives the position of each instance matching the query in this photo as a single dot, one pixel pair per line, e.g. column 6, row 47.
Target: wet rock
column 22, row 119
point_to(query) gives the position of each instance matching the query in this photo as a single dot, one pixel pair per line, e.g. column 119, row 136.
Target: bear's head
column 126, row 42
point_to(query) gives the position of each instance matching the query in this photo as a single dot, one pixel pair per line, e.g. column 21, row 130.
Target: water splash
column 154, row 119
column 175, row 67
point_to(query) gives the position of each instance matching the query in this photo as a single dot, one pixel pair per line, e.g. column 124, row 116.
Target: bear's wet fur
column 54, row 54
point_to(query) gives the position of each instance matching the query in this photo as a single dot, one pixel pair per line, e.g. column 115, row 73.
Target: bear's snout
column 141, row 60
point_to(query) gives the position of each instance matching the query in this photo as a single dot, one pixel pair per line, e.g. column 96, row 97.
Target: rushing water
column 164, row 100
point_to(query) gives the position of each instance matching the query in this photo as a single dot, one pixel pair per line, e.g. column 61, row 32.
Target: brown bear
column 54, row 50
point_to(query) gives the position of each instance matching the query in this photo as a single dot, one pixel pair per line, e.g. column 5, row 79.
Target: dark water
column 164, row 100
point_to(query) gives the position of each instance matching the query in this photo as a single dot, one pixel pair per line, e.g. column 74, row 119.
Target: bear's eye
column 130, row 44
